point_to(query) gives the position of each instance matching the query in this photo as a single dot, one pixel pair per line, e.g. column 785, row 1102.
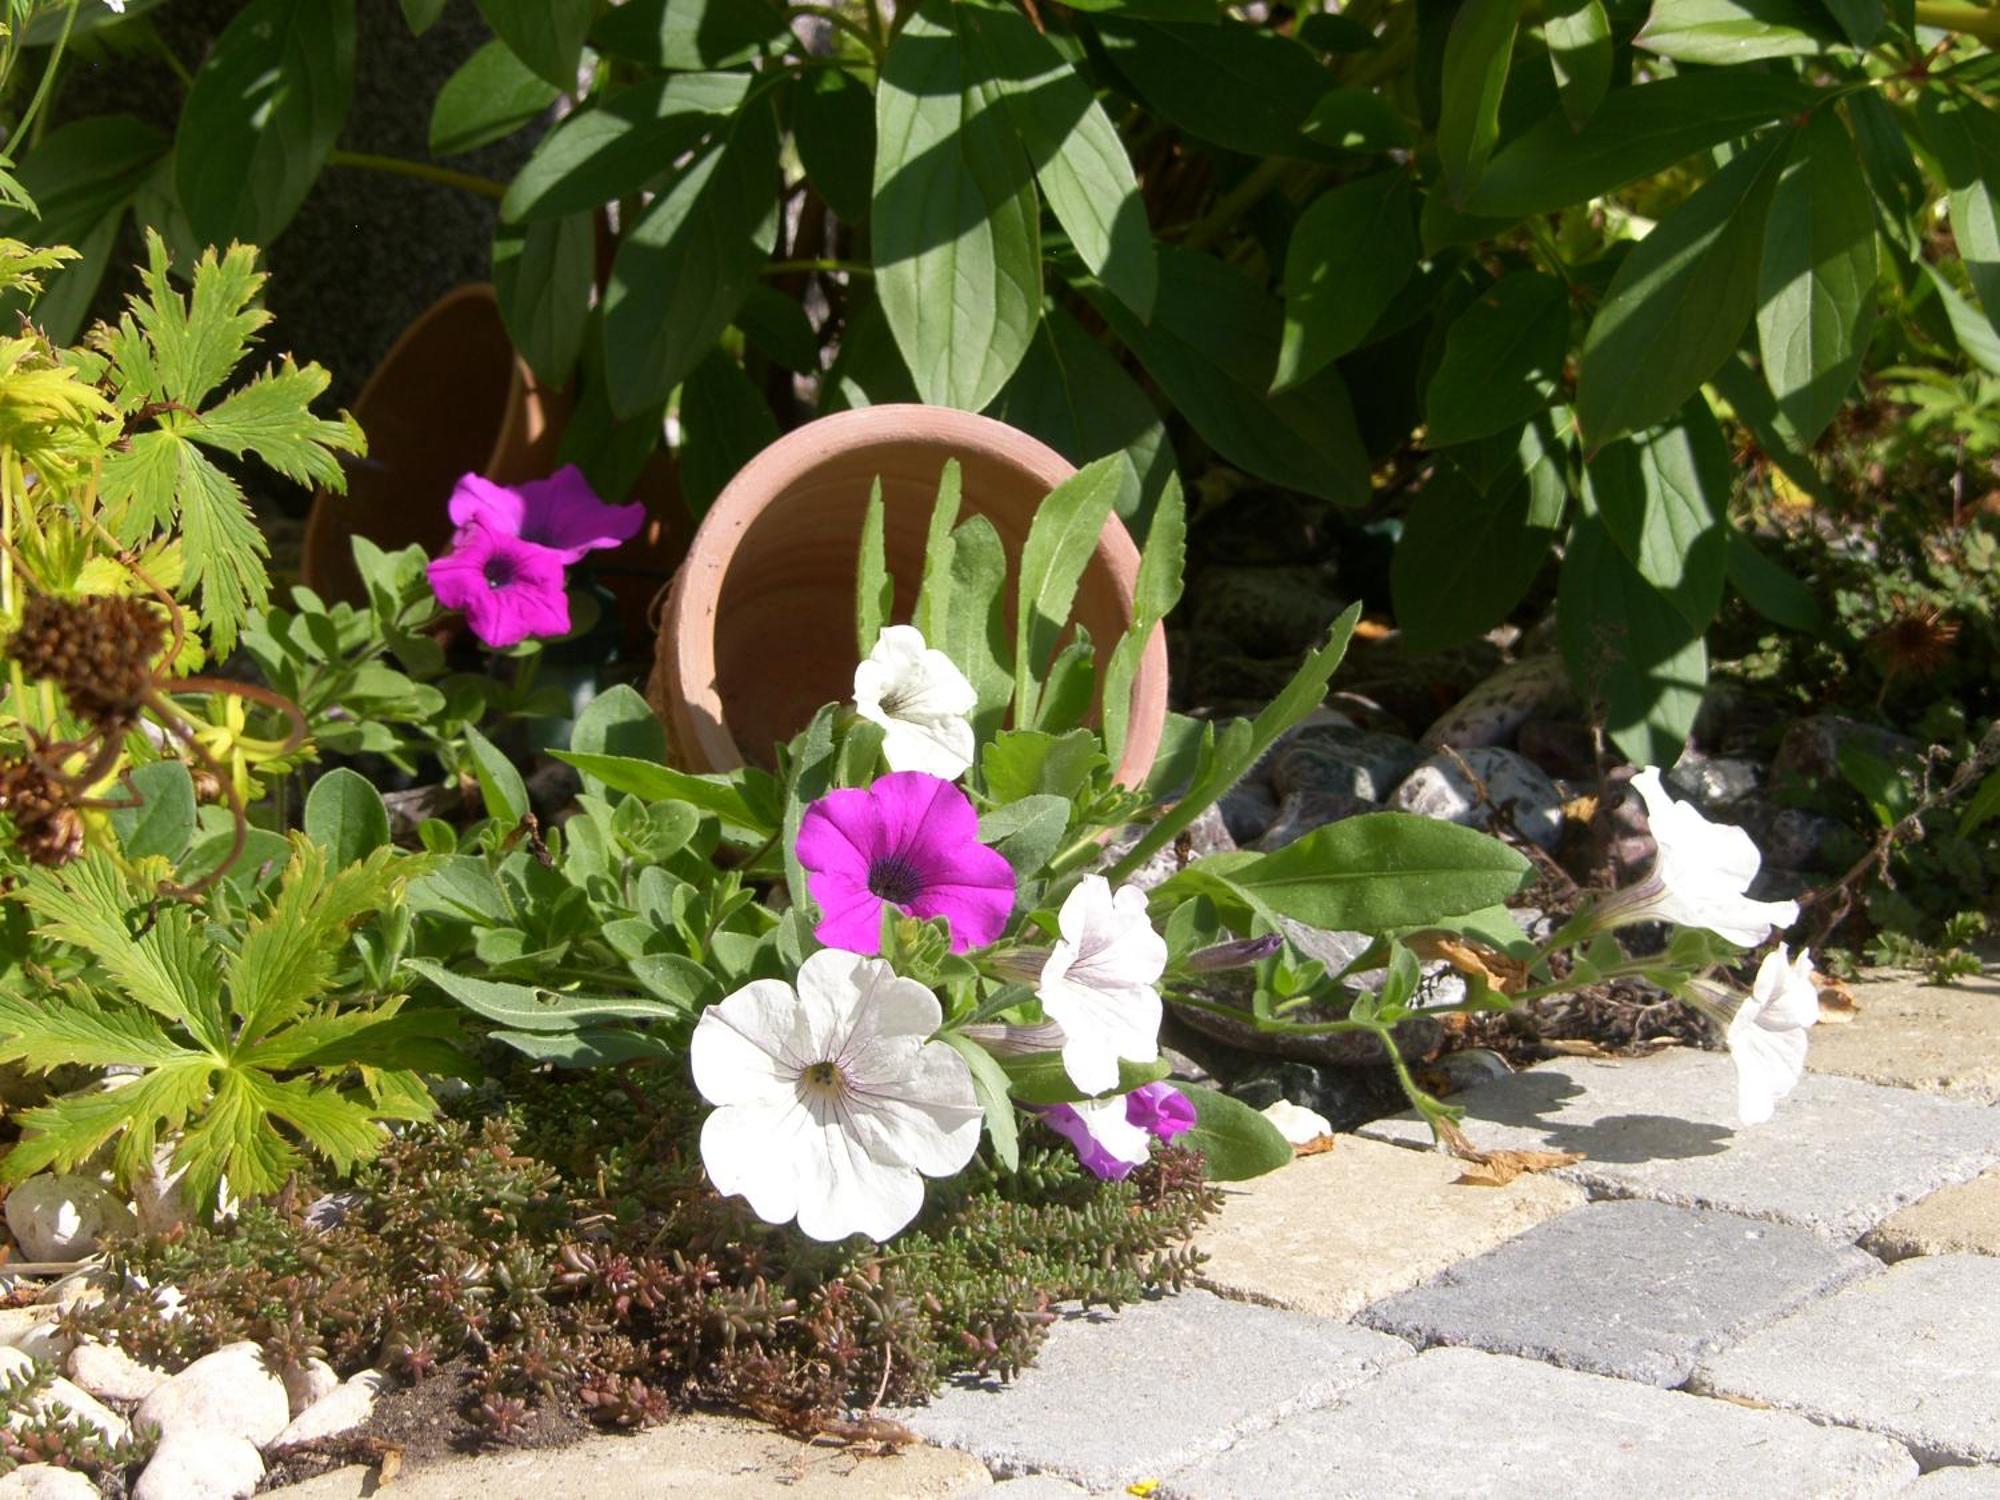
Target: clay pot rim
column 692, row 604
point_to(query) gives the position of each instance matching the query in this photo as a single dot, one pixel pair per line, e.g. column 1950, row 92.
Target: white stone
column 47, row 1482
column 312, row 1381
column 82, row 1405
column 33, row 1330
column 108, row 1371
column 63, row 1216
column 201, row 1464
column 83, row 1287
column 345, row 1408
column 1440, row 789
column 232, row 1392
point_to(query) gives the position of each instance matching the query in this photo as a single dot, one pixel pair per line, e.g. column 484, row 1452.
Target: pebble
column 232, row 1392
column 33, row 1331
column 1494, row 711
column 308, row 1383
column 1248, row 809
column 47, row 1482
column 1208, row 834
column 82, row 1405
column 1716, row 782
column 1811, row 747
column 109, row 1372
column 201, row 1464
column 1341, row 1097
column 1268, row 611
column 1440, row 789
column 1336, row 761
column 341, row 1410
column 62, row 1216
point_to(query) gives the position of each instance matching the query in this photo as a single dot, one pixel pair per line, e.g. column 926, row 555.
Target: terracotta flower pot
column 757, row 632
column 452, row 397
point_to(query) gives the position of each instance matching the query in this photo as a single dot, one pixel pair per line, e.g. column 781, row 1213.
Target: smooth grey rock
column 1439, row 788
column 1341, row 763
column 1346, row 1096
column 1264, row 611
column 62, row 1216
column 1248, row 809
column 1301, row 813
column 1459, row 1422
column 1494, row 711
column 233, row 1391
column 1793, row 838
column 47, row 1482
column 346, row 1407
column 1839, row 1157
column 1207, row 834
column 1115, row 1399
column 1811, row 747
column 1636, row 1290
column 108, row 1371
column 1909, row 1353
column 83, row 1406
column 194, row 1463
column 1712, row 782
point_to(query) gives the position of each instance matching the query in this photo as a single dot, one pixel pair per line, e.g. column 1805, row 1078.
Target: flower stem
column 1970, row 20
column 423, row 171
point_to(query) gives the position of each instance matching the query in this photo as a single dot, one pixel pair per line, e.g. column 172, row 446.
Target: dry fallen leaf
column 1580, row 809
column 1474, row 960
column 1498, row 1168
column 1836, row 1000
column 391, row 1468
column 1319, row 1145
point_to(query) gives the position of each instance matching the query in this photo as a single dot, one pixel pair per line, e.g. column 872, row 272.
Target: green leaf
column 162, row 821
column 809, row 771
column 1235, row 1141
column 1816, row 287
column 1965, row 136
column 1726, row 32
column 593, row 1046
column 688, row 262
column 683, row 35
column 934, row 592
column 1982, row 808
column 346, row 817
column 1349, row 255
column 1862, row 20
column 618, row 722
column 1027, row 833
column 1770, row 589
column 1663, row 496
column 1635, row 132
column 289, row 954
column 1242, row 87
column 492, row 95
column 1578, row 33
column 1061, row 541
column 1503, row 359
column 725, row 422
column 621, row 144
column 1157, row 591
column 421, row 15
column 1039, row 1078
column 1678, row 305
column 542, row 280
column 261, row 116
column 1383, row 870
column 1359, row 120
column 955, row 227
column 989, row 1086
column 1212, row 345
column 1881, row 784
column 501, row 788
column 833, row 127
column 81, row 177
column 1078, row 158
column 657, row 783
column 874, row 589
column 1477, row 51
column 975, row 623
column 1024, row 762
column 547, row 35
column 523, row 1008
column 1977, row 339
column 1628, row 648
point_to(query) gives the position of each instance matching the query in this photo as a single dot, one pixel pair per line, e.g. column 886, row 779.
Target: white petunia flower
column 1098, row 983
column 921, row 700
column 1296, row 1123
column 833, row 1102
column 117, row 5
column 1109, row 1124
column 1767, row 1036
column 1701, row 874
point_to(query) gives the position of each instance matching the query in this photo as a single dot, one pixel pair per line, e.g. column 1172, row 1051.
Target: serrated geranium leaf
column 272, row 417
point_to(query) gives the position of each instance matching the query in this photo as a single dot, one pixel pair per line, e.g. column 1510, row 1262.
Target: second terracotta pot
column 758, row 630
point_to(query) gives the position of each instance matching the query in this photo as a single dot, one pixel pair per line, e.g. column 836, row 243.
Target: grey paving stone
column 1909, row 1353
column 1840, row 1156
column 1459, row 1422
column 1637, row 1290
column 1981, row 1482
column 1113, row 1399
column 1033, row 1487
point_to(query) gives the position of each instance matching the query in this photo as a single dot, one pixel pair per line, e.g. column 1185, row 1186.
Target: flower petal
column 940, row 746
column 751, row 1151
column 1769, row 1065
column 925, row 1116
column 842, row 833
column 497, row 507
column 563, row 513
column 850, row 915
column 738, row 1049
column 842, row 1190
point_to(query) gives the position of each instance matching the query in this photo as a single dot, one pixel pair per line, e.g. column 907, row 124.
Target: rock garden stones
column 1494, row 711
column 194, row 1463
column 1440, row 788
column 343, row 1409
column 83, row 1406
column 110, row 1373
column 61, row 1217
column 233, row 1391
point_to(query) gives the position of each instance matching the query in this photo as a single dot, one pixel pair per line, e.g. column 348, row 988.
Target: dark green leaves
column 542, row 282
column 493, row 94
column 1678, row 306
column 1662, row 497
column 547, row 35
column 1241, row 87
column 1734, row 31
column 1579, row 39
column 682, row 35
column 1965, row 135
column 1816, row 286
column 1477, row 51
column 833, row 126
column 262, row 116
column 957, row 238
column 1350, row 253
column 1503, row 359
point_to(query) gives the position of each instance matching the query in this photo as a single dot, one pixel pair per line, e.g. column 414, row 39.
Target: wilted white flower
column 1098, row 983
column 1701, row 875
column 1767, row 1036
column 834, row 1104
column 1296, row 1123
column 921, row 699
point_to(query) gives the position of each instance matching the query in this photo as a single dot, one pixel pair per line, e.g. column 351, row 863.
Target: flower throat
column 894, row 880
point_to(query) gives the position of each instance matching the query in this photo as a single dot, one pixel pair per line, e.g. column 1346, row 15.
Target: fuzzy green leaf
column 1235, row 1141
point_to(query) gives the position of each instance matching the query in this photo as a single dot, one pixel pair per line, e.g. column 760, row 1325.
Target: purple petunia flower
column 509, row 589
column 910, row 841
column 1161, row 1110
column 561, row 513
column 1112, row 1136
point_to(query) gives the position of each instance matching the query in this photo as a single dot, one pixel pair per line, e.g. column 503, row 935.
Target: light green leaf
column 657, row 783
column 1025, row 762
column 1977, row 339
column 593, row 1046
column 1477, row 51
column 975, row 624
column 874, row 589
column 501, row 788
column 1234, row 1140
column 1965, row 136
column 346, row 817
column 492, row 95
column 1039, row 1078
column 1663, row 497
column 1350, row 253
column 1158, row 590
column 940, row 545
column 989, row 1086
column 522, row 1008
column 1027, row 833
column 1726, row 32
column 1061, row 541
column 1578, row 33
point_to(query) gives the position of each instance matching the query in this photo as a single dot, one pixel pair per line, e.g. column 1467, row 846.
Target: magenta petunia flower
column 509, row 589
column 910, row 841
column 561, row 513
column 1112, row 1136
column 1161, row 1110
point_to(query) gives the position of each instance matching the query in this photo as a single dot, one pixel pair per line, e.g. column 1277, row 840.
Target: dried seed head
column 98, row 649
column 1916, row 642
column 47, row 829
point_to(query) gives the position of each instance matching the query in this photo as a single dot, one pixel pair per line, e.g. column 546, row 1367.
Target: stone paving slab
column 1980, row 1483
column 1113, row 1399
column 1913, row 1353
column 1459, row 1422
column 1636, row 1290
column 1331, row 1233
column 1840, row 1156
column 700, row 1457
column 1944, row 1038
column 1964, row 1219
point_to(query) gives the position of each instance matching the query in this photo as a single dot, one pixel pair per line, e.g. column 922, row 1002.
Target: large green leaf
column 657, row 783
column 1635, row 132
column 833, row 128
column 1242, row 87
column 1477, row 51
column 1663, row 497
column 542, row 280
column 1580, row 55
column 1724, row 32
column 493, row 94
column 1503, row 359
column 1078, row 158
column 725, row 422
column 1349, row 255
column 1628, row 648
column 957, row 238
column 975, row 618
column 524, row 1008
column 1234, row 1140
column 1680, row 301
column 344, row 816
column 547, row 35
column 261, row 116
column 161, row 820
column 1965, row 136
column 1770, row 589
column 1816, row 287
column 684, row 35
